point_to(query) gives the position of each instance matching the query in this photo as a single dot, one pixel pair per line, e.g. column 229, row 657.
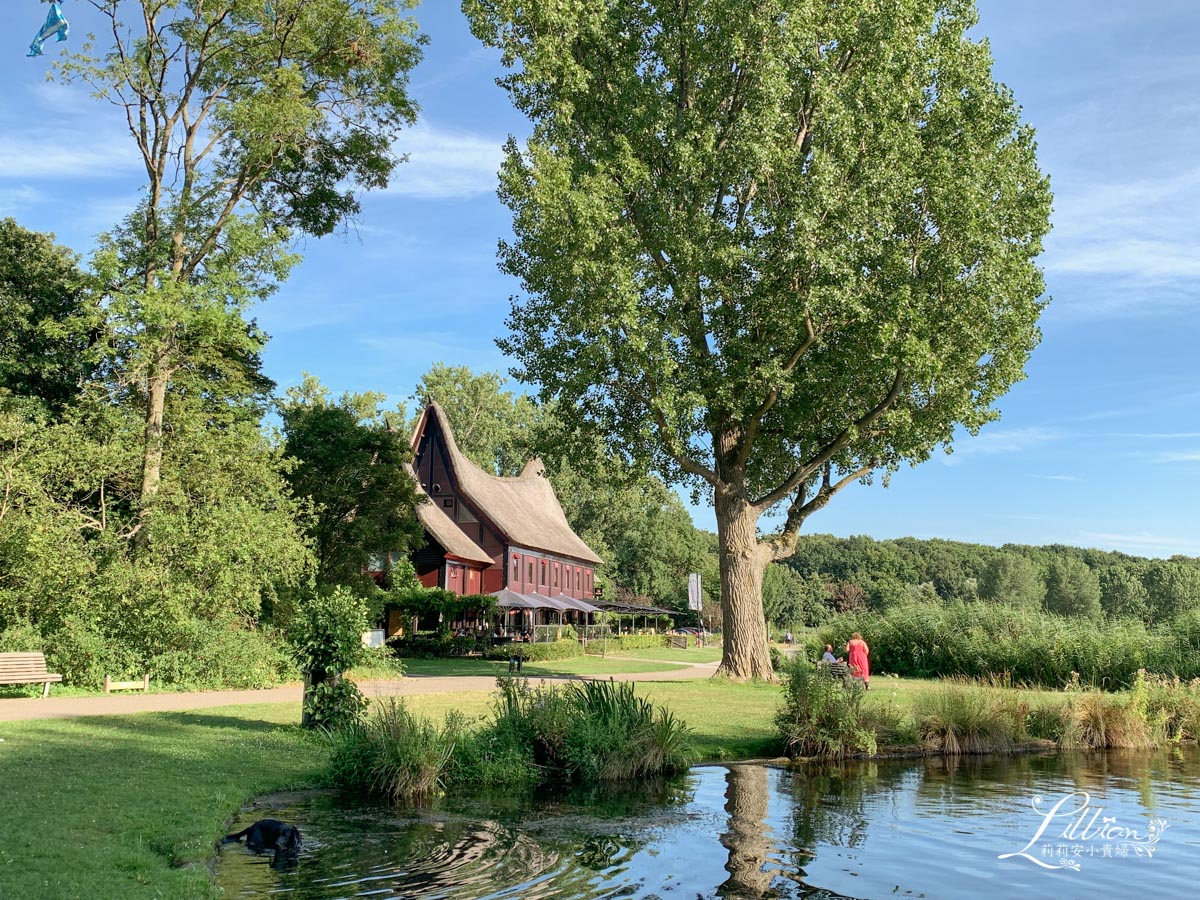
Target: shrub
column 537, row 652
column 822, row 716
column 1099, row 721
column 326, row 633
column 1169, row 706
column 392, row 754
column 964, row 718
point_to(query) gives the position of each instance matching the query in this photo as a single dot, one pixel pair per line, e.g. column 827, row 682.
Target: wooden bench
column 110, row 685
column 26, row 668
column 839, row 671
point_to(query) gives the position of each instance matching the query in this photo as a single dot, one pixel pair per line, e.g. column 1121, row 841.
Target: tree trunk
column 152, row 452
column 746, row 653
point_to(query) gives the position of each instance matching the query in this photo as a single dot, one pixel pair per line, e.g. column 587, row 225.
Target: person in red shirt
column 857, row 651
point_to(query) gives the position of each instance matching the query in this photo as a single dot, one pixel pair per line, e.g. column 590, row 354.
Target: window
column 516, row 567
column 531, row 571
column 448, row 503
column 437, row 488
column 556, row 574
column 545, row 566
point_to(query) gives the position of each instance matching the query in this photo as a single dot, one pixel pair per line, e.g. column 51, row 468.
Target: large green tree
column 252, row 121
column 768, row 248
column 49, row 323
column 1013, row 580
column 353, row 468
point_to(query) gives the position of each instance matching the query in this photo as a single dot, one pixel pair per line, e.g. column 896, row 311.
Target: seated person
column 828, row 657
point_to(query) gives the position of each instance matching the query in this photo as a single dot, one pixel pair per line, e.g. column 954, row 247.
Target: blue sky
column 1099, row 447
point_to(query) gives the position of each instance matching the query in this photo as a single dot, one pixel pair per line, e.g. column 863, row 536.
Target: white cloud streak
column 446, row 164
column 992, row 443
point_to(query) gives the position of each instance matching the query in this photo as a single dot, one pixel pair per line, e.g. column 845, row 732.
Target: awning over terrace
column 632, row 609
column 512, row 600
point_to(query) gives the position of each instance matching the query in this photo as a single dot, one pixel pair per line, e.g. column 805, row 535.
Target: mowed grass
column 133, row 806
column 672, row 654
column 580, row 665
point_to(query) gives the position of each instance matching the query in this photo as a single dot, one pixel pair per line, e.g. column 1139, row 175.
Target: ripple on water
column 928, row 829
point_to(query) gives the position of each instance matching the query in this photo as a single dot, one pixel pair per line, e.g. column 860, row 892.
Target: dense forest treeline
column 829, row 575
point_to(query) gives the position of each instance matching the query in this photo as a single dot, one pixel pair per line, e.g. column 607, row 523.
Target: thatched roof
column 442, row 529
column 524, row 508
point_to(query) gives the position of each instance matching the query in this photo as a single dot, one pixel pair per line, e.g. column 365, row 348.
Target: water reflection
column 930, row 828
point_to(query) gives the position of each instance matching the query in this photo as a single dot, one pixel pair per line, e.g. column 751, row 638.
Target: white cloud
column 1178, row 456
column 1059, row 477
column 63, row 155
column 1166, row 545
column 1012, row 440
column 1137, row 241
column 444, row 164
column 16, row 199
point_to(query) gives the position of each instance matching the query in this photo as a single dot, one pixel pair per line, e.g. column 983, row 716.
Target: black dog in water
column 271, row 834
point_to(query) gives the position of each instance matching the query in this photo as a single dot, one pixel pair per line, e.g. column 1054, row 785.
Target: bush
column 229, row 655
column 973, row 640
column 392, row 754
column 966, row 718
column 822, row 716
column 537, row 652
column 326, row 633
column 1099, row 721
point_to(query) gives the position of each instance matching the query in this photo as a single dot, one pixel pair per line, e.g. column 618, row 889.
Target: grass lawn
column 132, row 806
column 580, row 665
column 672, row 654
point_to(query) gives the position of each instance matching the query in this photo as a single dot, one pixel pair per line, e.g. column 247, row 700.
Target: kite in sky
column 55, row 25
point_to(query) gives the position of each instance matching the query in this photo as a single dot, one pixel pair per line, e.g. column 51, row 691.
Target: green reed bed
column 590, row 731
column 822, row 718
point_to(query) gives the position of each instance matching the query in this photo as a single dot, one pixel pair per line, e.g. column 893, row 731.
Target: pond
column 1066, row 825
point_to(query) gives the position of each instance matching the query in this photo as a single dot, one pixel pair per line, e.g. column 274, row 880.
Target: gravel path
column 20, row 708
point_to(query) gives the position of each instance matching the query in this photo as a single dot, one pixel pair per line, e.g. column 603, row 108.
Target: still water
column 1115, row 824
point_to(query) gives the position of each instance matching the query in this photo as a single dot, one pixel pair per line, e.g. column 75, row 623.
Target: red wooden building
column 485, row 533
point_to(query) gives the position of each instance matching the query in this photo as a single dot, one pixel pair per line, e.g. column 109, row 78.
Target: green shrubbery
column 539, row 652
column 593, row 731
column 958, row 717
column 326, row 633
column 822, row 715
column 392, row 753
column 1030, row 646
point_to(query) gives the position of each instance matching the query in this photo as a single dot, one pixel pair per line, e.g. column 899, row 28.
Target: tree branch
column 826, row 454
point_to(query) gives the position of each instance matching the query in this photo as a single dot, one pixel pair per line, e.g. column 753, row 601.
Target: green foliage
column 1072, row 589
column 326, row 634
column 537, row 652
column 766, row 250
column 438, row 607
column 822, row 716
column 791, row 599
column 954, row 718
column 352, row 468
column 1173, row 587
column 393, row 754
column 1122, row 593
column 49, row 322
column 1030, row 646
column 1012, row 579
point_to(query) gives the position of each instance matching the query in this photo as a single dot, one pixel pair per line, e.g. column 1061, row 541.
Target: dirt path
column 20, row 709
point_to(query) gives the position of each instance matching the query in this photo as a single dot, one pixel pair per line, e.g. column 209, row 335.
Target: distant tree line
column 829, row 575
